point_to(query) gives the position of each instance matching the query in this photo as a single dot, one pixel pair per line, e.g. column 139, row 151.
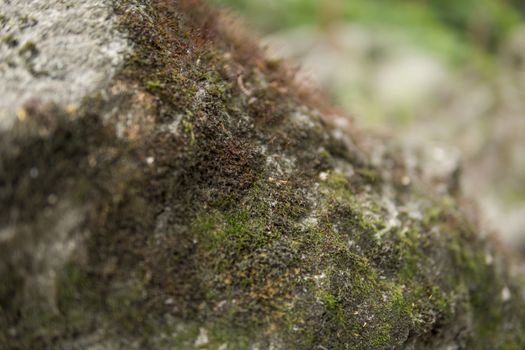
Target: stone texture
column 200, row 198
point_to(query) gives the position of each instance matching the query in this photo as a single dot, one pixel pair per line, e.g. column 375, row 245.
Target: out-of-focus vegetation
column 452, row 28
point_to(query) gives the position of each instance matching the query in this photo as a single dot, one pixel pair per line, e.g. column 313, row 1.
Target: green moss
column 245, row 232
column 382, row 336
column 26, row 21
column 328, row 299
column 10, row 40
column 28, row 49
column 153, row 85
column 188, row 129
column 3, row 19
column 368, row 173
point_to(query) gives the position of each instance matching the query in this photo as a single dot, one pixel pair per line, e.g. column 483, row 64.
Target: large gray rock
column 56, row 51
column 166, row 186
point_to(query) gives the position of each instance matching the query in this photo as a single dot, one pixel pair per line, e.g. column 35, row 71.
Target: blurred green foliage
column 450, row 27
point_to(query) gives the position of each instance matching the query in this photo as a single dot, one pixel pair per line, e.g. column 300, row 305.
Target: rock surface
column 56, row 50
column 465, row 105
column 175, row 189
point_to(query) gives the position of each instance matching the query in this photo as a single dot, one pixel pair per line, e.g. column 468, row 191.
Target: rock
column 392, row 82
column 196, row 196
column 56, row 50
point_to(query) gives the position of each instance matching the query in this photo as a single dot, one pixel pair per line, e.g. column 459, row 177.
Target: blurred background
column 449, row 73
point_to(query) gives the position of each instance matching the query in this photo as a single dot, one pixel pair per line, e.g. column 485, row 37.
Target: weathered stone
column 196, row 196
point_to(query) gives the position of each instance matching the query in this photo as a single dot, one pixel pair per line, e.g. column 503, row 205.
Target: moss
column 153, row 85
column 3, row 19
column 11, row 283
column 29, row 49
column 188, row 129
column 269, row 106
column 235, row 244
column 26, row 21
column 368, row 173
column 10, row 40
column 242, row 226
column 240, row 233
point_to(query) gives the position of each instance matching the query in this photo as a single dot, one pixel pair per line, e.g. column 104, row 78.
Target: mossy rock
column 201, row 198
